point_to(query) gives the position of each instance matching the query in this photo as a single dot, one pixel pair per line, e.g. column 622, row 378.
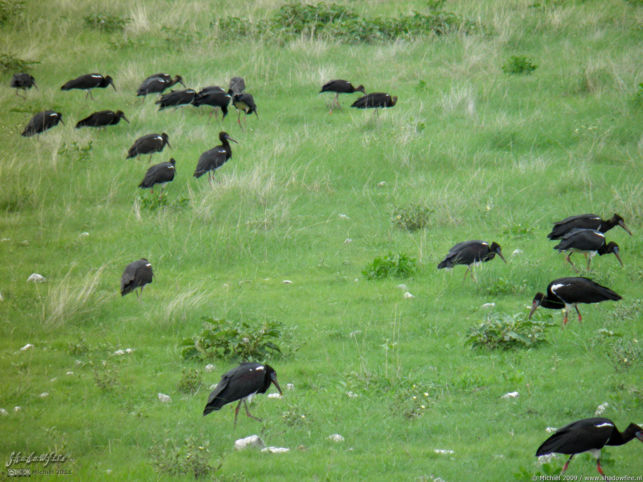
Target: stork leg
column 465, row 273
column 600, row 469
column 566, row 464
column 569, row 260
column 337, row 100
column 580, row 318
column 245, row 404
column 564, row 316
column 236, row 412
column 589, row 260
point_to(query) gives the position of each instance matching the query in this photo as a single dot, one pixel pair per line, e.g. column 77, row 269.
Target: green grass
column 312, row 198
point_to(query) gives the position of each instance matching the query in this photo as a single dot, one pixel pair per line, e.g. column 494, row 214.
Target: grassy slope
column 491, row 154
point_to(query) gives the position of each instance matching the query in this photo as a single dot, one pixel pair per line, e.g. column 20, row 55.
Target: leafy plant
column 518, row 230
column 12, row 64
column 503, row 286
column 518, row 64
column 624, row 353
column 154, row 201
column 106, row 23
column 243, row 340
column 190, row 381
column 10, row 9
column 190, row 458
column 412, row 217
column 392, row 265
column 75, row 151
column 504, row 331
column 105, row 376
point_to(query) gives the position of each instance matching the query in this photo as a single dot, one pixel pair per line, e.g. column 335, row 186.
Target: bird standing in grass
column 176, row 98
column 159, row 174
column 136, row 275
column 157, row 83
column 376, row 100
column 89, row 81
column 214, row 96
column 469, row 252
column 148, row 144
column 41, row 122
column 244, row 103
column 588, row 242
column 241, row 383
column 566, row 292
column 588, row 435
column 102, row 118
column 214, row 158
column 23, row 82
column 340, row 86
column 586, row 221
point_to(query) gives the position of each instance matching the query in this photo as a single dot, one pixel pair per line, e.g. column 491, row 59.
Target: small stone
column 444, row 451
column 36, row 278
column 84, row 234
column 381, row 184
column 550, row 429
column 28, row 346
column 1, row 297
column 69, row 373
column 290, row 386
column 402, row 286
column 129, row 350
column 3, row 412
column 601, row 408
column 343, row 216
column 510, row 395
column 119, row 352
column 488, row 305
column 516, row 252
column 350, row 394
column 274, row 395
column 17, row 408
column 247, row 442
column 336, row 437
column 287, row 282
column 408, row 295
column 348, row 241
column 213, row 386
column 209, row 367
column 44, row 394
column 275, row 450
column 163, row 398
column 53, row 379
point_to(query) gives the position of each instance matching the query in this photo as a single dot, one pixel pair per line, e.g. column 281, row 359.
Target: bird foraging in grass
column 23, row 82
column 89, row 81
column 241, row 383
column 469, row 252
column 136, row 275
column 214, row 96
column 588, row 435
column 589, row 242
column 243, row 103
column 375, row 100
column 176, row 98
column 340, row 86
column 148, row 144
column 41, row 122
column 586, row 221
column 102, row 118
column 214, row 158
column 159, row 174
column 562, row 293
column 157, row 83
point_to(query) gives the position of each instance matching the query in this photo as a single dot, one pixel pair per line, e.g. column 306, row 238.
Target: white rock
column 213, row 386
column 287, row 282
column 119, row 352
column 3, row 412
column 601, row 408
column 274, row 395
column 36, row 278
column 209, row 367
column 69, row 373
column 129, row 350
column 444, row 451
column 343, row 216
column 4, row 240
column 290, row 386
column 28, row 346
column 348, row 241
column 84, row 234
column 336, row 437
column 408, row 295
column 249, row 441
column 488, row 305
column 550, row 429
column 275, row 450
column 163, row 398
column 402, row 286
column 381, row 184
column 44, row 394
column 516, row 252
column 52, row 380
column 17, row 408
column 350, row 394
column 510, row 395
column 1, row 297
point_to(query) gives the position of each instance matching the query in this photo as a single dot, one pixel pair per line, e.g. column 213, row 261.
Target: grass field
column 313, row 198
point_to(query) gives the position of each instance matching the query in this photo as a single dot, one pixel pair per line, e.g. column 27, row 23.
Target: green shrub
column 507, row 332
column 12, row 64
column 152, row 202
column 75, row 151
column 412, row 217
column 624, row 353
column 190, row 381
column 191, row 458
column 106, row 23
column 518, row 64
column 10, row 9
column 392, row 265
column 241, row 340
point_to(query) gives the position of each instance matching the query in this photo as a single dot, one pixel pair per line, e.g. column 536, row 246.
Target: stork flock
column 576, row 234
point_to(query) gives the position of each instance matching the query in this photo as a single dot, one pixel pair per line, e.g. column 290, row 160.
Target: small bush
column 624, row 353
column 392, row 265
column 161, row 200
column 10, row 9
column 12, row 64
column 105, row 376
column 412, row 217
column 106, row 23
column 190, row 381
column 507, row 332
column 503, row 286
column 518, row 230
column 241, row 340
column 191, row 458
column 518, row 64
column 75, row 152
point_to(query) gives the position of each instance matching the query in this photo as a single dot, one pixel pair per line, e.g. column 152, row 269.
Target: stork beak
column 534, row 306
column 181, row 82
column 274, row 380
column 622, row 224
column 125, row 119
column 617, row 256
column 231, row 139
column 61, row 120
column 113, row 86
column 168, row 143
column 501, row 256
column 34, row 84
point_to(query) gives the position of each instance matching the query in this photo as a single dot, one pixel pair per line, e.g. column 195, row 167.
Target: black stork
column 237, row 85
column 214, row 96
column 241, row 383
column 136, row 275
column 214, row 158
column 375, row 100
column 589, row 242
column 340, row 86
column 41, row 122
column 588, row 435
column 566, row 292
column 243, row 103
column 157, row 83
column 469, row 252
column 586, row 221
column 159, row 174
column 23, row 82
column 102, row 118
column 89, row 81
column 176, row 98
column 148, row 144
